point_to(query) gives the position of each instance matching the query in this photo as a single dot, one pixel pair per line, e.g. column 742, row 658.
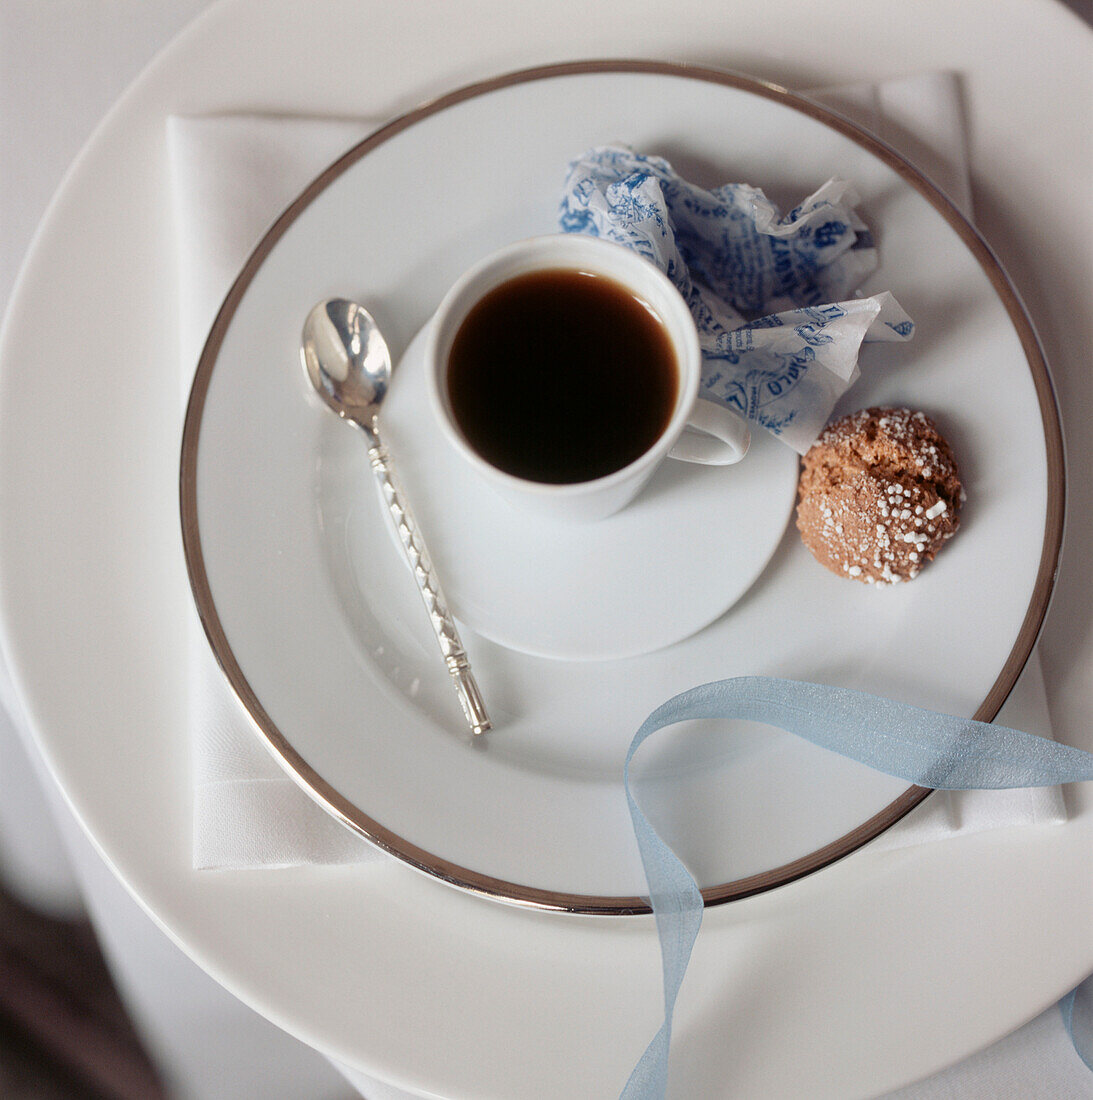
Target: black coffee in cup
column 561, row 376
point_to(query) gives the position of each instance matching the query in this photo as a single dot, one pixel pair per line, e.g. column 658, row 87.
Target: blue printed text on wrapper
column 773, row 297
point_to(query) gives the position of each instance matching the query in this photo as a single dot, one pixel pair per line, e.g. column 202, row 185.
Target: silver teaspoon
column 347, row 361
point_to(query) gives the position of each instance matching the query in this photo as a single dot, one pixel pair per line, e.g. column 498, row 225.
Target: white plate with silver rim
column 331, row 658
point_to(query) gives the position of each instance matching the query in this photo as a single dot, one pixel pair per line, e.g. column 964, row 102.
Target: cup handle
column 714, row 436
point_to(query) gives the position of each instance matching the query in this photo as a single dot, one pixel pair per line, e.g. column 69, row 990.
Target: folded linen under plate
column 231, row 176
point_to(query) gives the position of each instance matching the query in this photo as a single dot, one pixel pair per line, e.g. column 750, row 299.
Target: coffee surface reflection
column 562, row 376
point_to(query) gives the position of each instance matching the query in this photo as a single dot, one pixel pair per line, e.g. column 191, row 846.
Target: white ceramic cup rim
column 573, row 252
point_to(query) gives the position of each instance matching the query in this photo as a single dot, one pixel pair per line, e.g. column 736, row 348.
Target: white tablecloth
column 62, row 63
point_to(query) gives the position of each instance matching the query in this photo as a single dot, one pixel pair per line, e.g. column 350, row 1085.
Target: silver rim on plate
column 352, row 816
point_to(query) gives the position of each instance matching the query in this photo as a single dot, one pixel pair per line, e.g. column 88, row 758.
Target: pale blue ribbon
column 1077, row 1010
column 928, row 749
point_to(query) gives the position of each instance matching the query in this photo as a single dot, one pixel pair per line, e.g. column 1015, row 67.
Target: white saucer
column 677, row 558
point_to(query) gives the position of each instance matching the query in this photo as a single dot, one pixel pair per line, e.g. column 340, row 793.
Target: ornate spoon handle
column 413, row 546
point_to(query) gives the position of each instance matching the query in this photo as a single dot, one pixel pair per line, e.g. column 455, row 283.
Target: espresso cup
column 565, row 368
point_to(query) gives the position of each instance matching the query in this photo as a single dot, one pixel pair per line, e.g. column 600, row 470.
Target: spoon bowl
column 346, row 359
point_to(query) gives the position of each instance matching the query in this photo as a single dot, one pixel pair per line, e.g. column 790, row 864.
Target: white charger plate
column 880, row 970
column 312, row 618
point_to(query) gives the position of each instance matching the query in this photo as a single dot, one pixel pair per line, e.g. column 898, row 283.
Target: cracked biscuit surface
column 879, row 495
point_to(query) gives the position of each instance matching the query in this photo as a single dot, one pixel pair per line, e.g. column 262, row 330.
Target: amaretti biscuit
column 879, row 495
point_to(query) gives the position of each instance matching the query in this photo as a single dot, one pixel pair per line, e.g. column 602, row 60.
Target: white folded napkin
column 231, row 176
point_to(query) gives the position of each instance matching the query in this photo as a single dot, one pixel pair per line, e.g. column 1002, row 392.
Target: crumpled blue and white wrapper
column 774, row 297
